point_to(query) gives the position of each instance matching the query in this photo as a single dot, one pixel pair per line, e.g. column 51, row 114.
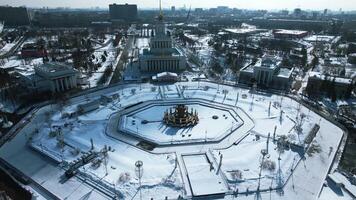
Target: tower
column 161, row 56
column 160, row 26
column 161, row 43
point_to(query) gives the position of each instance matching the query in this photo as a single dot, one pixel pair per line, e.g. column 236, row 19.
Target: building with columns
column 52, row 77
column 267, row 72
column 161, row 56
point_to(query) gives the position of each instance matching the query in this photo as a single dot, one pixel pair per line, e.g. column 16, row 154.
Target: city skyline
column 244, row 4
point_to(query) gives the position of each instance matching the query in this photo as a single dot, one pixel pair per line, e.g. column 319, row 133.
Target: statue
column 180, row 117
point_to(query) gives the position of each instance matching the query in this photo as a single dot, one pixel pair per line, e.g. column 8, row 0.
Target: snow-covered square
column 245, row 143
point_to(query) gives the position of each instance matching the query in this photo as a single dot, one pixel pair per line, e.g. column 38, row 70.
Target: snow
column 328, row 193
column 142, row 43
column 11, row 64
column 337, row 177
column 331, row 190
column 202, row 179
column 248, row 163
column 111, row 59
column 205, row 130
column 6, row 48
column 322, row 38
column 95, row 77
column 167, row 168
column 92, row 126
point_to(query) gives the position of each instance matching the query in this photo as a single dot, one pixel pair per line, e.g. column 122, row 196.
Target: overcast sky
column 249, row 4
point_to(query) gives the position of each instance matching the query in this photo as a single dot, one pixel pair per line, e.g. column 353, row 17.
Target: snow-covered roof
column 321, row 38
column 243, row 30
column 291, row 32
column 165, row 74
column 54, row 69
column 285, row 72
column 11, row 64
column 318, row 75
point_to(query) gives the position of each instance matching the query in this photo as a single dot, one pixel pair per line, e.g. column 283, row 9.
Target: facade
column 14, row 16
column 124, row 12
column 333, row 87
column 161, row 56
column 52, row 77
column 267, row 72
column 352, row 58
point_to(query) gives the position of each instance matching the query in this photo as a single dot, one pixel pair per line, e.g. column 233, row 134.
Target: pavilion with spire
column 161, row 56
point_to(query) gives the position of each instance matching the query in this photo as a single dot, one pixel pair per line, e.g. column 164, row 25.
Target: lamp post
column 139, row 173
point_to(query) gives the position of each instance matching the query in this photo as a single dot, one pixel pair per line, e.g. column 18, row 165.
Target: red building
column 33, row 50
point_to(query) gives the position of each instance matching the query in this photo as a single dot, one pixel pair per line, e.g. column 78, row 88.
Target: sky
column 245, row 4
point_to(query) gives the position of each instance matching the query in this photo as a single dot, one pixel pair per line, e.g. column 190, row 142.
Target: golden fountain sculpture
column 180, row 117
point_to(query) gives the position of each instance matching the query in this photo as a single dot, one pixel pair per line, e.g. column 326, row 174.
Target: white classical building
column 161, row 56
column 53, row 77
column 267, row 72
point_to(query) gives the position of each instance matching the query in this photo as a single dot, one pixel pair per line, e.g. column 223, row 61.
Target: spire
column 160, row 17
column 160, row 7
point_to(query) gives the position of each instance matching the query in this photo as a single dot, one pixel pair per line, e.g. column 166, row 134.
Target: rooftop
column 54, row 67
column 243, row 30
column 268, row 61
column 318, row 75
column 291, row 32
column 285, row 72
column 166, row 74
column 320, row 38
column 174, row 52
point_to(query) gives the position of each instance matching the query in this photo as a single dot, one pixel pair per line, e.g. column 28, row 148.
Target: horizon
column 344, row 5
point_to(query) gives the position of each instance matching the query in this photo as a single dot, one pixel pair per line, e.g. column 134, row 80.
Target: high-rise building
column 124, row 12
column 14, row 16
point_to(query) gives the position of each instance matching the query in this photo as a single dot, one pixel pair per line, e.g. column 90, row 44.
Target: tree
column 315, row 61
column 103, row 58
column 216, row 67
column 286, row 62
column 305, row 56
column 333, row 91
column 349, row 91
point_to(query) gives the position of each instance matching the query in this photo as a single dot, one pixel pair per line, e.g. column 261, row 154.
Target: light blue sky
column 249, row 4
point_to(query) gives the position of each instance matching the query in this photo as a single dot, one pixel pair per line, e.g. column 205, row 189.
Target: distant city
column 185, row 102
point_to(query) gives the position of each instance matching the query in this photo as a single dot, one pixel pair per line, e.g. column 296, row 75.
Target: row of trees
column 327, row 88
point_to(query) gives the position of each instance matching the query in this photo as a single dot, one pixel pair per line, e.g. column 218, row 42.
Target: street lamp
column 139, row 173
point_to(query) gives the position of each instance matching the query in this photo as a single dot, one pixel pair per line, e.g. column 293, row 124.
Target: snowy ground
column 111, row 59
column 242, row 170
column 203, row 179
column 167, row 170
column 159, row 169
column 6, row 48
column 206, row 130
